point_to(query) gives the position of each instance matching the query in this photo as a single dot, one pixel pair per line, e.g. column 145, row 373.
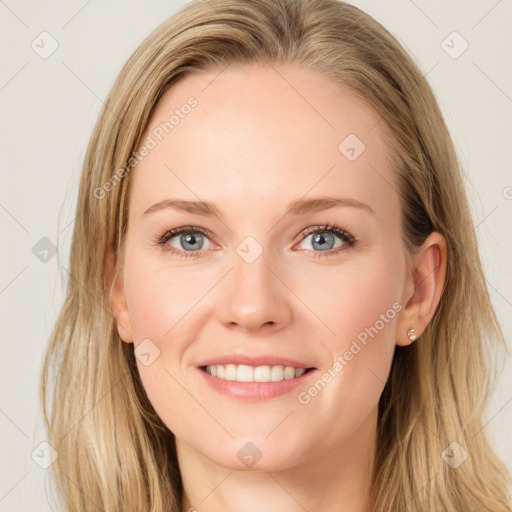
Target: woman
column 275, row 297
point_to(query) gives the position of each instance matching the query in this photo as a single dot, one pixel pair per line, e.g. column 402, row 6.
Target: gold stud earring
column 412, row 334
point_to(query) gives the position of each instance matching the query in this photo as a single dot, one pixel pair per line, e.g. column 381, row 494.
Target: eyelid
column 348, row 239
column 329, row 228
column 172, row 233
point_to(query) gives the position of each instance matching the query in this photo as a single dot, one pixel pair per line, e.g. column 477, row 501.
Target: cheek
column 150, row 307
column 159, row 304
column 358, row 296
column 360, row 305
column 161, row 298
column 164, row 303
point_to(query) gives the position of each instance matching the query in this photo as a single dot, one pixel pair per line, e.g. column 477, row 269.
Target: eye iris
column 320, row 239
column 190, row 238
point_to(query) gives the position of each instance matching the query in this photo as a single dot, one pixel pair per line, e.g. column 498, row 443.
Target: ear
column 117, row 300
column 423, row 288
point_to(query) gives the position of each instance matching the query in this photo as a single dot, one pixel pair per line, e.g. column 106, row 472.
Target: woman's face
column 256, row 283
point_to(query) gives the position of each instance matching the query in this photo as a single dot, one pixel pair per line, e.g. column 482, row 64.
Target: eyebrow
column 299, row 207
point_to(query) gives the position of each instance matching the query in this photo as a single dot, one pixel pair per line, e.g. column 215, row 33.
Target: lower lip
column 254, row 390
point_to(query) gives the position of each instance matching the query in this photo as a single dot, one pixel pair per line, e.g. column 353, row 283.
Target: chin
column 256, row 454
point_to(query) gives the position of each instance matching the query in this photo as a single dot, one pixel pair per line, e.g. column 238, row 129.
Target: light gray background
column 50, row 105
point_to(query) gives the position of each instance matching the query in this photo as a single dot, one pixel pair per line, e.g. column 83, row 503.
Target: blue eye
column 324, row 240
column 190, row 241
column 187, row 238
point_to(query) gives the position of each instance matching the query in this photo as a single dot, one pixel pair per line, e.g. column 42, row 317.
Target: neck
column 327, row 478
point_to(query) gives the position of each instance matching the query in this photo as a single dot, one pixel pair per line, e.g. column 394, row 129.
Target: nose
column 255, row 296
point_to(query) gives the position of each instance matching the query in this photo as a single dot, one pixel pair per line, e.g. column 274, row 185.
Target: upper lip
column 253, row 361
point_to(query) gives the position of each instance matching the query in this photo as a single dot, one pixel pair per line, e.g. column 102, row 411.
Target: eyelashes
column 347, row 238
column 172, row 233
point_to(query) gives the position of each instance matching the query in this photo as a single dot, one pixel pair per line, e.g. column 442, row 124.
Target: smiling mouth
column 246, row 373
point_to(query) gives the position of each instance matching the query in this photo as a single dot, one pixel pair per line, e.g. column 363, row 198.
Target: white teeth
column 277, row 373
column 300, row 371
column 289, row 373
column 230, row 373
column 245, row 373
column 262, row 374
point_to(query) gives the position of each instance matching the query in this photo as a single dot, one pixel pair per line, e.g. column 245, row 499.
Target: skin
column 251, row 146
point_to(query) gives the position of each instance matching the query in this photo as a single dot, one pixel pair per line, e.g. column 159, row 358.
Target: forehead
column 243, row 137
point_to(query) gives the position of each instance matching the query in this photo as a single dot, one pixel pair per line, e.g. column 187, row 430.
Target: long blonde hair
column 114, row 452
